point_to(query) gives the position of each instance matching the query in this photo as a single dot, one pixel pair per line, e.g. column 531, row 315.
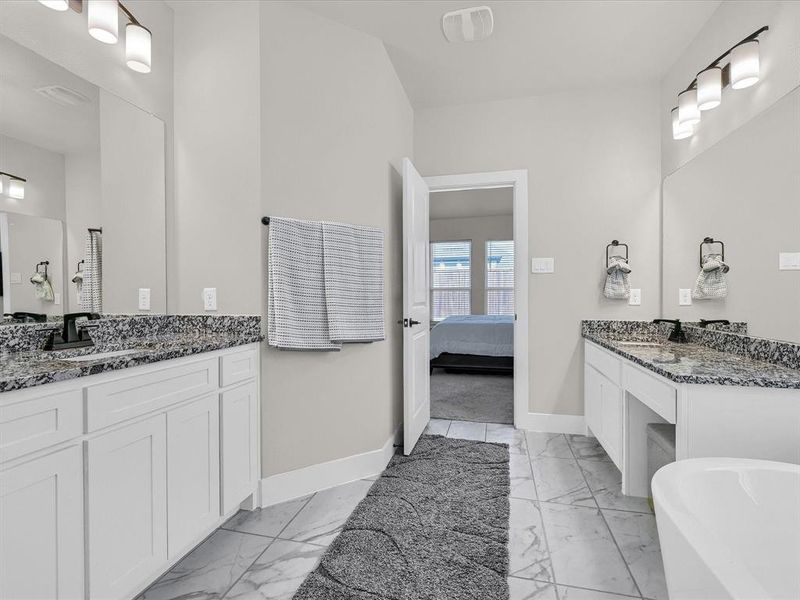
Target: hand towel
column 353, row 259
column 712, row 281
column 42, row 288
column 92, row 288
column 297, row 317
column 617, row 287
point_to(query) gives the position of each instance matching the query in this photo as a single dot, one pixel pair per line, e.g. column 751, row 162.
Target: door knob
column 412, row 322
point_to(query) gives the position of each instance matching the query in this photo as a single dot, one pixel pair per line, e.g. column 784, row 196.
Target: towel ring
column 708, row 241
column 45, row 263
column 615, row 243
column 80, row 262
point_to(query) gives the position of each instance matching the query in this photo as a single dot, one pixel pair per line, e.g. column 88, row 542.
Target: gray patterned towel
column 92, row 289
column 617, row 286
column 353, row 258
column 297, row 317
column 712, row 281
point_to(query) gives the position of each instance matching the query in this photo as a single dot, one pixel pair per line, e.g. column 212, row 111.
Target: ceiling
column 472, row 203
column 538, row 47
column 27, row 116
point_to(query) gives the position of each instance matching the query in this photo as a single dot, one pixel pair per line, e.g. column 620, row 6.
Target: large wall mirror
column 82, row 206
column 744, row 192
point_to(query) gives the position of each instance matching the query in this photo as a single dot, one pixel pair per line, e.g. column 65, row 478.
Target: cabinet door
column 127, row 507
column 592, row 392
column 193, row 467
column 239, row 427
column 611, row 417
column 41, row 528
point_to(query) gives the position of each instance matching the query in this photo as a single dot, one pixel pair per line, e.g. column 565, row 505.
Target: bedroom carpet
column 469, row 397
column 434, row 525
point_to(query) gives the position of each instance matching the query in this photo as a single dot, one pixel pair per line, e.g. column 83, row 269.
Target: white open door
column 416, row 307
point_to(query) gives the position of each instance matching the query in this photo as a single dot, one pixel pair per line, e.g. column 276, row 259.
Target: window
column 500, row 277
column 451, row 279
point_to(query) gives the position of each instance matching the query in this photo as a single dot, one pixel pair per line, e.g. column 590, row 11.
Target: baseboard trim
column 301, row 482
column 554, row 423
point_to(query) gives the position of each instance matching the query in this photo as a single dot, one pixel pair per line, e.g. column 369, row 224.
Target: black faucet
column 676, row 335
column 705, row 323
column 71, row 336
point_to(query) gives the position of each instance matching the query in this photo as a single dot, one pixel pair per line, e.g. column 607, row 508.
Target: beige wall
column 335, row 124
column 478, row 230
column 217, row 169
column 780, row 73
column 745, row 191
column 593, row 175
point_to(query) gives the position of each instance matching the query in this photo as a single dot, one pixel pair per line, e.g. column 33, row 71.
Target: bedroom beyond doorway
column 472, row 305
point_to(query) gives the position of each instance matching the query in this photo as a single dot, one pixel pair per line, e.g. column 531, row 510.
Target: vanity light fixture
column 59, row 5
column 745, row 65
column 103, row 24
column 739, row 67
column 16, row 185
column 680, row 132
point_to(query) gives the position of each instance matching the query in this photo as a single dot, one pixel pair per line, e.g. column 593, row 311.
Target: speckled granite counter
column 153, row 339
column 697, row 362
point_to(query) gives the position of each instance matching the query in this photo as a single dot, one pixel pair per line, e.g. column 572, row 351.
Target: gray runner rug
column 434, row 526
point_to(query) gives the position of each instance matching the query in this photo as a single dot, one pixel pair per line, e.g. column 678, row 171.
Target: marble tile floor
column 573, row 535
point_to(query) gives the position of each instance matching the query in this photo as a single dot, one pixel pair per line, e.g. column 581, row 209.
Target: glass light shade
column 59, row 5
column 103, row 20
column 137, row 48
column 688, row 112
column 709, row 88
column 745, row 65
column 16, row 189
column 680, row 132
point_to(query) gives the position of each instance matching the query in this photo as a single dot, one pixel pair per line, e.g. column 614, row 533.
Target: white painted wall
column 478, row 230
column 217, row 149
column 780, row 73
column 593, row 169
column 44, row 170
column 335, row 124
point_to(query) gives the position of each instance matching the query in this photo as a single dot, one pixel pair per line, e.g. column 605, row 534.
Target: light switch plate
column 789, row 261
column 56, row 298
column 16, row 278
column 684, row 297
column 210, row 298
column 636, row 297
column 543, row 265
column 144, row 298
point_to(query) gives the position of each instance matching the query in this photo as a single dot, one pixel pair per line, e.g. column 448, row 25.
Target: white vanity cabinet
column 603, row 400
column 107, row 480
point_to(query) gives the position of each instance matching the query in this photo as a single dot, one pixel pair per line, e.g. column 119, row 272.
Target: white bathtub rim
column 725, row 566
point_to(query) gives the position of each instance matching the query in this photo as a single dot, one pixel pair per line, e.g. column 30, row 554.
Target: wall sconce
column 737, row 67
column 103, row 24
column 16, row 186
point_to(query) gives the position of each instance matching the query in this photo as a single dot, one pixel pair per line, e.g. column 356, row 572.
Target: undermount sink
column 101, row 355
column 646, row 344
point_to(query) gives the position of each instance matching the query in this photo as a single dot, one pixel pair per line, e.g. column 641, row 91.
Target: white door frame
column 518, row 181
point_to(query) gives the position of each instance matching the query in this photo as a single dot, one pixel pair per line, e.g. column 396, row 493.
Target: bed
column 473, row 343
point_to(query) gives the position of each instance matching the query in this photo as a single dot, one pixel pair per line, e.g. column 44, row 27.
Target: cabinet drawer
column 238, row 366
column 128, row 397
column 604, row 362
column 39, row 421
column 659, row 396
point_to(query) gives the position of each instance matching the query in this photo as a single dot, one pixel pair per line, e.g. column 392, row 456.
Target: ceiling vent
column 62, row 95
column 468, row 24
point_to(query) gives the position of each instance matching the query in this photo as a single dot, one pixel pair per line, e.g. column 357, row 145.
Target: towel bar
column 615, row 243
column 710, row 240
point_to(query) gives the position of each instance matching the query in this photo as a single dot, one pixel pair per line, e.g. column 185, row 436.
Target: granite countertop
column 19, row 370
column 698, row 364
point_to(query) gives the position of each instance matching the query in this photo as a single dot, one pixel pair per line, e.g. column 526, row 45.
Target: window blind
column 451, row 278
column 500, row 277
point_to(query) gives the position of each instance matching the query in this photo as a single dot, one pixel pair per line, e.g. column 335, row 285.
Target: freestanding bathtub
column 729, row 528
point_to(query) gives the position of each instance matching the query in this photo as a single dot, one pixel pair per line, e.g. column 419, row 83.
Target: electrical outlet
column 16, row 278
column 636, row 297
column 144, row 298
column 210, row 298
column 543, row 265
column 56, row 298
column 789, row 261
column 684, row 297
